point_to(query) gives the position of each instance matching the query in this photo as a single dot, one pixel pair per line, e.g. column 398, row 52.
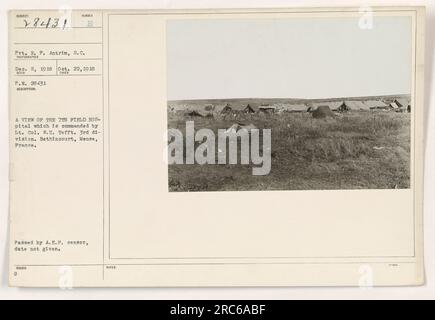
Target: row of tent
column 368, row 105
column 399, row 105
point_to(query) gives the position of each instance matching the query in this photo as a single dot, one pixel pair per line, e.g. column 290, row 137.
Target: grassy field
column 354, row 150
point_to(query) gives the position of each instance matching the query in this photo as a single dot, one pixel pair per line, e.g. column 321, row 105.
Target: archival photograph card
column 236, row 147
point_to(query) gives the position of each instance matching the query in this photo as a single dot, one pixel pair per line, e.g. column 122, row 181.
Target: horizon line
column 292, row 98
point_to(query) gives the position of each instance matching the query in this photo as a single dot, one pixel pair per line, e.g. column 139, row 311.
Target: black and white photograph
column 289, row 104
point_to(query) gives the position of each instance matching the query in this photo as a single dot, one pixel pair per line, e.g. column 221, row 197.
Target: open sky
column 288, row 58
